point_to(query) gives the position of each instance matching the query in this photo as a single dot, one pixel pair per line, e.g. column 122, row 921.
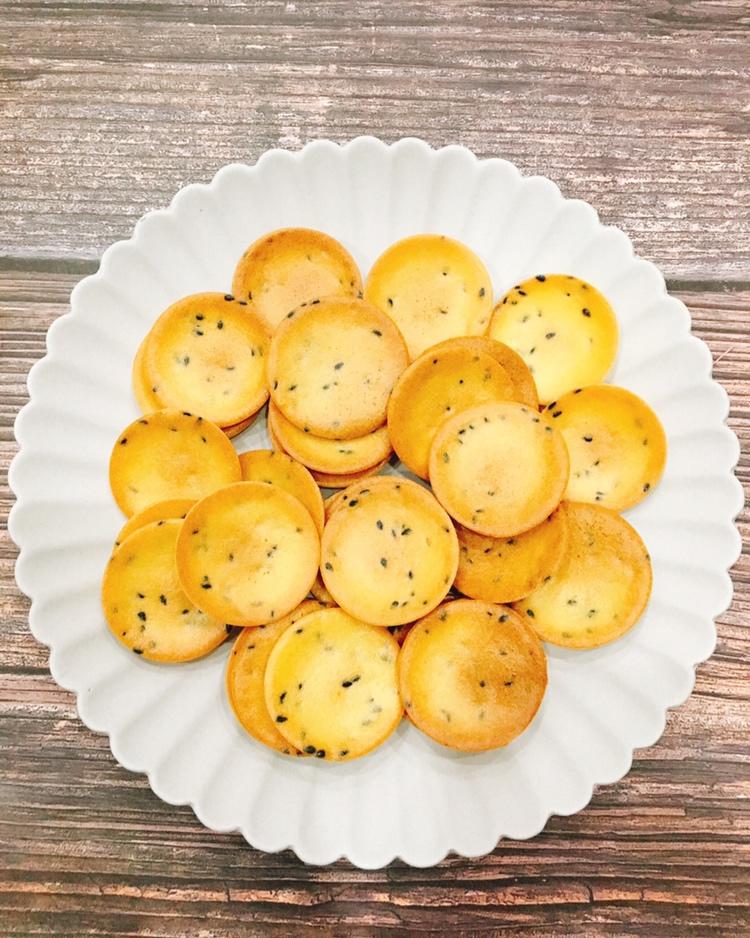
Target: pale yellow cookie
column 433, row 288
column 499, row 469
column 501, row 570
column 160, row 511
column 436, row 386
column 332, row 365
column 170, row 454
column 248, row 554
column 616, row 443
column 331, row 685
column 206, row 353
column 292, row 266
column 246, row 670
column 390, row 554
column 276, row 468
column 562, row 327
column 601, row 587
column 472, row 675
column 145, row 605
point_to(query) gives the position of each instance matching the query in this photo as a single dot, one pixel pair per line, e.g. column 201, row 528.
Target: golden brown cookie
column 333, row 481
column 170, row 454
column 390, row 553
column 600, row 589
column 331, row 685
column 206, row 353
column 292, row 266
column 332, row 365
column 562, row 327
column 433, row 288
column 472, row 675
column 436, row 386
column 143, row 390
column 499, row 468
column 248, row 554
column 616, row 443
column 276, row 468
column 160, row 511
column 501, row 570
column 246, row 670
column 145, row 606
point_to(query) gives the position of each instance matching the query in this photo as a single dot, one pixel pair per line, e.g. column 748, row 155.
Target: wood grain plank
column 106, row 109
column 86, row 848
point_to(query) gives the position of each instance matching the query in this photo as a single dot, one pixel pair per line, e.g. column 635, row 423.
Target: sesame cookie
column 433, row 288
column 500, row 570
column 292, row 266
column 248, row 553
column 170, row 454
column 390, row 554
column 600, row 589
column 207, row 353
column 143, row 391
column 246, row 670
column 332, row 366
column 472, row 675
column 436, row 386
column 331, row 686
column 499, row 468
column 276, row 468
column 616, row 443
column 145, row 605
column 160, row 511
column 334, row 481
column 562, row 327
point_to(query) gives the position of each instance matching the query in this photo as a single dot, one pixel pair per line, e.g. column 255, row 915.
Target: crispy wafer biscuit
column 517, row 369
column 207, row 354
column 360, row 487
column 472, row 675
column 601, row 587
column 319, row 591
column 144, row 603
column 438, row 385
column 433, row 288
column 616, row 444
column 390, row 554
column 562, row 327
column 338, row 457
column 248, row 553
column 333, row 481
column 235, row 429
column 143, row 391
column 499, row 468
column 500, row 570
column 246, row 669
column 332, row 365
column 331, row 685
column 291, row 266
column 169, row 454
column 160, row 511
column 275, row 468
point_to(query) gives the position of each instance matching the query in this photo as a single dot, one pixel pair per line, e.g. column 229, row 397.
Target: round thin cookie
column 616, row 443
column 501, row 570
column 276, row 468
column 499, row 468
column 170, row 454
column 524, row 387
column 160, row 511
column 246, row 670
column 143, row 391
column 600, row 589
column 338, row 457
column 206, row 353
column 319, row 591
column 360, row 487
column 291, row 266
column 472, row 675
column 433, row 288
column 436, row 386
column 334, row 481
column 235, row 429
column 248, row 554
column 332, row 366
column 390, row 554
column 331, row 685
column 562, row 327
column 145, row 605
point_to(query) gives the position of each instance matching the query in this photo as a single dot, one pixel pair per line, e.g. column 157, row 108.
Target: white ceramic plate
column 411, row 798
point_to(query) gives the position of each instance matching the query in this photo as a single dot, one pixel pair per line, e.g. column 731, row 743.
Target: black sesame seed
column 281, row 719
column 586, row 312
column 647, row 486
column 556, row 413
column 282, row 697
column 220, row 324
column 309, row 750
column 338, row 366
column 376, row 332
column 329, row 566
column 163, row 600
column 379, row 525
column 383, row 562
column 343, row 752
column 541, row 278
column 530, row 613
column 138, row 651
column 550, row 335
column 353, row 502
column 320, row 754
column 142, row 616
column 228, row 296
column 588, row 438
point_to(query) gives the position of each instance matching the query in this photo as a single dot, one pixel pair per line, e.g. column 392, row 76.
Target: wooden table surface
column 106, row 109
